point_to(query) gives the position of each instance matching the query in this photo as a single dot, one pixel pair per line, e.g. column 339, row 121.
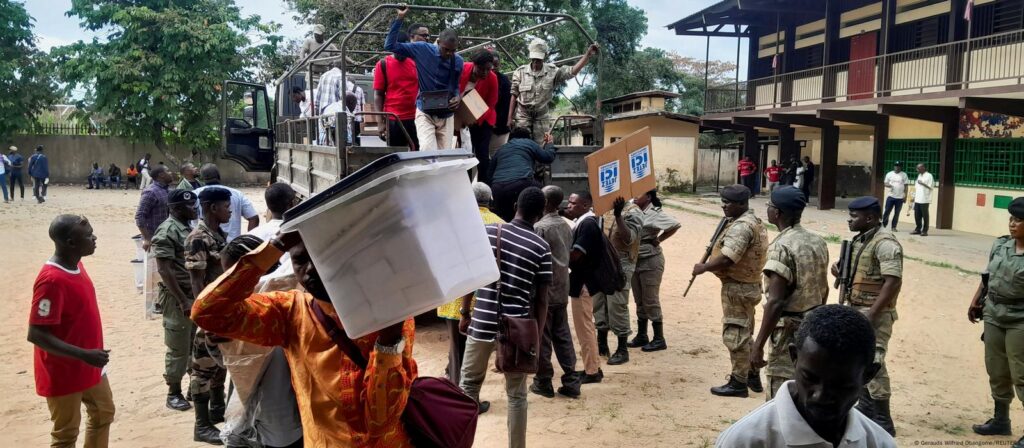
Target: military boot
column 734, row 388
column 866, row 404
column 999, row 424
column 204, row 429
column 754, row 382
column 175, row 400
column 883, row 417
column 602, row 343
column 658, row 343
column 217, row 405
column 640, row 339
column 621, row 355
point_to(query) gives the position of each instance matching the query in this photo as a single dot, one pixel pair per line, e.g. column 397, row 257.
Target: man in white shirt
column 241, row 207
column 302, row 97
column 896, row 181
column 922, row 199
column 834, row 356
column 280, row 197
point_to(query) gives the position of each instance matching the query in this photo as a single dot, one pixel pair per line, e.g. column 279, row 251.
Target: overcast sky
column 54, row 28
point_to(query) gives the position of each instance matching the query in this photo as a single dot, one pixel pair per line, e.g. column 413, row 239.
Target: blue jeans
column 890, row 204
column 3, row 185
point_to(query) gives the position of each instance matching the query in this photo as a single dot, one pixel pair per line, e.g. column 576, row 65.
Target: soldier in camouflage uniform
column 1002, row 310
column 737, row 258
column 202, row 259
column 533, row 86
column 622, row 225
column 877, row 267
column 175, row 292
column 796, row 281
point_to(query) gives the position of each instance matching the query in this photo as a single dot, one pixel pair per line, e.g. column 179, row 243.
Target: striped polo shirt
column 525, row 265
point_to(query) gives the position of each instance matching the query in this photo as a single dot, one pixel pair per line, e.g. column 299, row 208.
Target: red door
column 861, row 80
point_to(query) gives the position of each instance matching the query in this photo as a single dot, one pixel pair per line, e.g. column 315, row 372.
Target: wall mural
column 979, row 124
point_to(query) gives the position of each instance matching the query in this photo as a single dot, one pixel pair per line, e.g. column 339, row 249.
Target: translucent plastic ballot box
column 399, row 237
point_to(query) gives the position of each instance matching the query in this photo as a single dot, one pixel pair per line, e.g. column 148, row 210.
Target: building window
column 808, row 57
column 911, row 152
column 919, row 34
column 990, row 162
column 998, row 17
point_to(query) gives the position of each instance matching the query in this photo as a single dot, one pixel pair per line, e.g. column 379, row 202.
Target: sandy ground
column 935, row 361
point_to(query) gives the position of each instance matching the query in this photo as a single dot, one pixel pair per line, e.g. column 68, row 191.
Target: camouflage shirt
column 801, row 258
column 202, row 251
column 880, row 255
column 534, row 90
column 744, row 240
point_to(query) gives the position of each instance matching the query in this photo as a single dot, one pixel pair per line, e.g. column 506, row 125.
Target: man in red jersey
column 65, row 327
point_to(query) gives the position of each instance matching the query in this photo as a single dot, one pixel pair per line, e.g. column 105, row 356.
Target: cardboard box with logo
column 624, row 168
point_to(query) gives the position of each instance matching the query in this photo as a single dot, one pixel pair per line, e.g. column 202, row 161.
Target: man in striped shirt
column 525, row 266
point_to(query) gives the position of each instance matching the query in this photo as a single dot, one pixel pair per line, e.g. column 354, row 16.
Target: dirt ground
column 656, row 400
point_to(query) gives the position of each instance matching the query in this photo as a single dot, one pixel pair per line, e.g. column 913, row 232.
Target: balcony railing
column 989, row 61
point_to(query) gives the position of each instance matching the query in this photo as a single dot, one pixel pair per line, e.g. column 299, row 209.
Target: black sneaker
column 177, row 402
column 568, row 391
column 593, row 379
column 544, row 390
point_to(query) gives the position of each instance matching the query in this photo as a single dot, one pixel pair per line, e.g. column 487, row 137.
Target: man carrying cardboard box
column 477, row 112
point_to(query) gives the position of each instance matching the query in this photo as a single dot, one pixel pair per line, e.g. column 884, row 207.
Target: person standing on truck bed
column 438, row 69
column 314, row 43
column 533, row 86
column 395, row 86
column 479, row 75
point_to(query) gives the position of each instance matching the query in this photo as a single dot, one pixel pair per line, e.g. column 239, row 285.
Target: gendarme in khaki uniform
column 801, row 258
column 744, row 240
column 533, row 91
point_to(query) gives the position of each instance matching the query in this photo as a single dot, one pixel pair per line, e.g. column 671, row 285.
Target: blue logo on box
column 640, row 164
column 608, row 177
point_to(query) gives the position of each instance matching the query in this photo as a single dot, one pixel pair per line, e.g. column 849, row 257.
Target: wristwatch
column 396, row 349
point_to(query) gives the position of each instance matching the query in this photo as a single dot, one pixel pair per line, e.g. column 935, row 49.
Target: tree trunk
column 161, row 145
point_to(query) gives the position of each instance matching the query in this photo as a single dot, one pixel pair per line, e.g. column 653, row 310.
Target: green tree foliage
column 158, row 74
column 26, row 75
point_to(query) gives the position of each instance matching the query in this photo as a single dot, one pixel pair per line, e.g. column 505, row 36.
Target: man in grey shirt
column 556, row 231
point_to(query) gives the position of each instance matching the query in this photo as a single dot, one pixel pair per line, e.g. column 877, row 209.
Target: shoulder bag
column 518, row 339
column 437, row 414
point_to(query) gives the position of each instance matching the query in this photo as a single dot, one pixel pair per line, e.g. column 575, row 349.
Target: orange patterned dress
column 340, row 404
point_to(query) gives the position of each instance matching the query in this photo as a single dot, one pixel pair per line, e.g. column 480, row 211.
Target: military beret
column 788, row 198
column 1016, row 208
column 864, row 203
column 214, row 194
column 736, row 193
column 181, row 197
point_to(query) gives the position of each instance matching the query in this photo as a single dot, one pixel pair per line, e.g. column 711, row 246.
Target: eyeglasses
column 423, row 35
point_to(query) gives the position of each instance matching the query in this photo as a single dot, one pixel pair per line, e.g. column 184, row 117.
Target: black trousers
column 16, row 175
column 806, row 187
column 890, row 205
column 921, row 217
column 507, row 193
column 558, row 338
column 397, row 138
column 38, row 184
column 456, row 348
column 480, row 135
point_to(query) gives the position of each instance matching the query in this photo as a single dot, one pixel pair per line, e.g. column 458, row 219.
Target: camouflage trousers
column 780, row 365
column 208, row 371
column 879, row 386
column 738, row 314
column 539, row 123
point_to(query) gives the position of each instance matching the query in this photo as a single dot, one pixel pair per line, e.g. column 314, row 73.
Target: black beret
column 788, row 198
column 864, row 203
column 736, row 193
column 214, row 194
column 181, row 197
column 1016, row 208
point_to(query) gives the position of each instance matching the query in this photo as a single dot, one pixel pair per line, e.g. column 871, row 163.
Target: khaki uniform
column 534, row 91
column 1004, row 321
column 801, row 258
column 876, row 254
column 169, row 243
column 611, row 312
column 744, row 240
column 203, row 251
column 650, row 264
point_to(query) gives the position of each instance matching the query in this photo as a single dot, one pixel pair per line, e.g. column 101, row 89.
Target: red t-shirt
column 773, row 173
column 65, row 302
column 488, row 90
column 747, row 168
column 402, row 86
